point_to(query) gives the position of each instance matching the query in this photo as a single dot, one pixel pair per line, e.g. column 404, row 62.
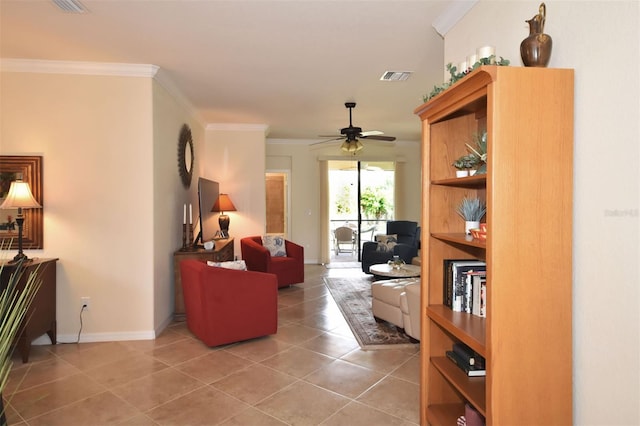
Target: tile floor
column 312, row 372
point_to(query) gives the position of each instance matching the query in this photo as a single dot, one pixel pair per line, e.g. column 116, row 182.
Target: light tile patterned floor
column 312, row 372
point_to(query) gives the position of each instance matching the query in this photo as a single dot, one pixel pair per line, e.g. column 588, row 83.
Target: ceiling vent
column 70, row 6
column 395, row 75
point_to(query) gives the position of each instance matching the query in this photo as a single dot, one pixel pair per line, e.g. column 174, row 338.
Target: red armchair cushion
column 289, row 269
column 225, row 305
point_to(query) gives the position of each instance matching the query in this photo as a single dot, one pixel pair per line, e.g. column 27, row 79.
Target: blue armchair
column 407, row 247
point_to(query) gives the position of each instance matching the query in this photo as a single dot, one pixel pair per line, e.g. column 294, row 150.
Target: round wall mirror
column 185, row 156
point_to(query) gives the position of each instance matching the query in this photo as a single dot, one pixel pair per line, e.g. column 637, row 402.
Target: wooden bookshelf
column 526, row 337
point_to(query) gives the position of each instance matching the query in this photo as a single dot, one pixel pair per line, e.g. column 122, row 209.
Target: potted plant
column 15, row 301
column 471, row 210
column 464, row 165
column 479, row 151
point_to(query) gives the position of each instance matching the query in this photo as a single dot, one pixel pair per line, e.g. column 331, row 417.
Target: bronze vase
column 536, row 49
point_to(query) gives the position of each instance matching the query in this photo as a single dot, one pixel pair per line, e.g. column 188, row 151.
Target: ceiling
column 289, row 65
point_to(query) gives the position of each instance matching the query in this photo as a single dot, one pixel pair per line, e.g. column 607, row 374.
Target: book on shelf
column 473, row 295
column 454, row 284
column 468, row 355
column 472, row 417
column 470, row 370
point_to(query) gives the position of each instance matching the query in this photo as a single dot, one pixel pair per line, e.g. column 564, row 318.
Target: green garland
column 455, row 75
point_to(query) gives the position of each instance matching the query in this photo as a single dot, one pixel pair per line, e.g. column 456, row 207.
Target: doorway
column 277, row 202
column 361, row 197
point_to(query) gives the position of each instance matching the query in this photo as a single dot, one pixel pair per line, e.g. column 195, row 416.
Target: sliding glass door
column 361, row 197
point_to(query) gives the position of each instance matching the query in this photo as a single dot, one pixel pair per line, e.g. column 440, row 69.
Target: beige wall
column 234, row 156
column 600, row 40
column 112, row 197
column 305, row 182
column 94, row 134
column 169, row 195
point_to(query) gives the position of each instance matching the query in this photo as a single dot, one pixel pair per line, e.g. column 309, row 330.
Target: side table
column 222, row 252
column 42, row 312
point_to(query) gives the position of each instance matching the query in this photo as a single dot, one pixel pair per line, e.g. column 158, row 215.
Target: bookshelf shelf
column 467, row 328
column 528, row 116
column 460, row 238
column 472, row 388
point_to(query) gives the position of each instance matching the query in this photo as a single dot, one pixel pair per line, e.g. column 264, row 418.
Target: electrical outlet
column 85, row 302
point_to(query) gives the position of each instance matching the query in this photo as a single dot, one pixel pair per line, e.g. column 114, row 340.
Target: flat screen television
column 208, row 191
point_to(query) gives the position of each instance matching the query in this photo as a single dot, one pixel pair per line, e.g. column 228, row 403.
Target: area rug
column 353, row 296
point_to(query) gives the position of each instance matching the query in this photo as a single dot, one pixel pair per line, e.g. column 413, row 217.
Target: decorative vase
column 469, row 225
column 462, row 173
column 536, row 49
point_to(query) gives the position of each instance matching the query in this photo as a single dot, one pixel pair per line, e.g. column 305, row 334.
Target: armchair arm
column 369, row 246
column 294, row 250
column 256, row 256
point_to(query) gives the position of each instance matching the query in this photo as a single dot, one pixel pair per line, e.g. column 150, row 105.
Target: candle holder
column 191, row 242
column 184, row 237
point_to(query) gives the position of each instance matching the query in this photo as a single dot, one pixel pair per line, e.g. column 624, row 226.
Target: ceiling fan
column 352, row 134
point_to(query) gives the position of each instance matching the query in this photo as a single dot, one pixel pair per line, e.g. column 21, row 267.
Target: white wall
column 600, row 40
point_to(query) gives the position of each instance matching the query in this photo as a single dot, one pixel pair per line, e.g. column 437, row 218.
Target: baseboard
column 106, row 337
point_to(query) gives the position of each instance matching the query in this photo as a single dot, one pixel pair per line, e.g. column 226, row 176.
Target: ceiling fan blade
column 331, row 136
column 380, row 138
column 328, row 140
column 371, row 133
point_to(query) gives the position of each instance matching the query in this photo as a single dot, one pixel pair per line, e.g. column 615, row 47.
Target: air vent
column 395, row 75
column 70, row 6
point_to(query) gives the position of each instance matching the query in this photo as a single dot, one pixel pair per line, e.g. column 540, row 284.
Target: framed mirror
column 29, row 169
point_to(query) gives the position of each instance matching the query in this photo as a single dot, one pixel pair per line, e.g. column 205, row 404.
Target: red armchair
column 225, row 306
column 289, row 269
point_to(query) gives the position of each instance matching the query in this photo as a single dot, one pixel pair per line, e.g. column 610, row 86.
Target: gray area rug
column 353, row 296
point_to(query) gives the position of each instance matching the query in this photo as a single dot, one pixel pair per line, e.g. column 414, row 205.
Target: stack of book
column 465, row 286
column 467, row 360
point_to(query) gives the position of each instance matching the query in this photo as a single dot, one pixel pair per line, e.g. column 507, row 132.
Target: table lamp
column 20, row 197
column 223, row 204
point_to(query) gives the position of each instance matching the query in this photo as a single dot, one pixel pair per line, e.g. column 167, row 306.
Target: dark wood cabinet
column 42, row 313
column 222, row 252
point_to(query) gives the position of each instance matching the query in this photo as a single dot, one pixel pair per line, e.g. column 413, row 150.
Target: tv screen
column 208, row 191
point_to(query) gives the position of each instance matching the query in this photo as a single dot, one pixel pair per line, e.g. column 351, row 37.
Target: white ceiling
column 290, row 65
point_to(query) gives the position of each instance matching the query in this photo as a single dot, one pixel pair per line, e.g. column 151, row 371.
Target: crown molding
column 78, row 68
column 110, row 69
column 238, row 127
column 452, row 14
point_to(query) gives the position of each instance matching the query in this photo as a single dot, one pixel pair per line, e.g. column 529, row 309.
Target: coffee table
column 385, row 270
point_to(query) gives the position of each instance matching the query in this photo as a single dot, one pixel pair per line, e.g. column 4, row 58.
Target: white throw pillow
column 238, row 265
column 275, row 245
column 386, row 243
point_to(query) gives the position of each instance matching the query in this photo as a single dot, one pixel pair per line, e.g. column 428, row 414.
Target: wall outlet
column 85, row 302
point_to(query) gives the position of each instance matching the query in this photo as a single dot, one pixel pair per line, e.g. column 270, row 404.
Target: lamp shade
column 352, row 146
column 223, row 204
column 20, row 196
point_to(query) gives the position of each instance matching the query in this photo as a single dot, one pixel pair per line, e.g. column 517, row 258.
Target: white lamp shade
column 20, row 196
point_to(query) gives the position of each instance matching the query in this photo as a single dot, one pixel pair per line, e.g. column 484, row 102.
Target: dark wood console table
column 42, row 313
column 222, row 252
